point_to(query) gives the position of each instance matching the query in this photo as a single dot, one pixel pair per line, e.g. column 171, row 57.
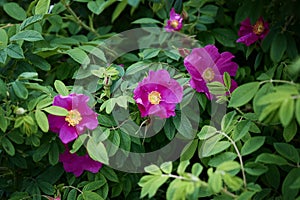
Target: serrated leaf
column 42, row 120
column 252, row 145
column 42, row 7
column 15, row 11
column 243, row 94
column 56, row 110
column 27, row 35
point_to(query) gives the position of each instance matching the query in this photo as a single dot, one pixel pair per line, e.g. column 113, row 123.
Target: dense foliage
column 149, row 99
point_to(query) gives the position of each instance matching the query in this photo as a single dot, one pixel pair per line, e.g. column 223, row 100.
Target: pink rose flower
column 80, row 117
column 207, row 65
column 158, row 94
column 175, row 22
column 251, row 33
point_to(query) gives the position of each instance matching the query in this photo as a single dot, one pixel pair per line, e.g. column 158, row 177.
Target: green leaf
column 290, row 131
column 288, row 151
column 166, row 167
column 79, row 56
column 241, row 130
column 95, row 51
column 225, row 36
column 118, row 10
column 286, row 111
column 44, row 103
column 39, row 62
column 228, row 166
column 72, row 194
column 269, row 158
column 40, row 152
column 78, row 143
column 30, row 20
column 182, row 166
column 150, row 53
column 287, row 192
column 8, row 146
column 20, row 89
column 56, row 110
column 46, row 187
column 97, row 151
column 219, row 159
column 88, row 195
column 3, row 38
column 15, row 11
column 15, row 51
column 227, row 80
column 207, row 132
column 297, row 111
column 146, row 21
column 27, row 35
column 252, row 145
column 42, row 7
column 3, row 121
column 153, row 169
column 96, row 6
column 233, row 182
column 197, row 169
column 215, row 182
column 61, row 88
column 42, row 120
column 95, row 185
column 278, row 47
column 110, row 174
column 53, row 155
column 243, row 94
column 150, row 184
column 3, row 56
column 255, row 169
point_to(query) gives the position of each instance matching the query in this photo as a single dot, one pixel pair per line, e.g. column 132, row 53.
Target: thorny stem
column 7, row 25
column 196, row 179
column 239, row 156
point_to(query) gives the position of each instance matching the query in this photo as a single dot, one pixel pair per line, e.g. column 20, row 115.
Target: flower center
column 154, row 97
column 174, row 23
column 208, row 74
column 73, row 117
column 258, row 28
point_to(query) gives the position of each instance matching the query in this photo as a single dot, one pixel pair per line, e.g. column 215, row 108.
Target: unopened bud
column 20, row 111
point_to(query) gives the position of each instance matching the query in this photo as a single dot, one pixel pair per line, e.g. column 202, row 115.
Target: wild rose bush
column 149, row 99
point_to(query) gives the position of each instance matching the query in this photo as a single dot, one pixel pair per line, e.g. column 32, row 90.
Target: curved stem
column 239, row 156
column 277, row 81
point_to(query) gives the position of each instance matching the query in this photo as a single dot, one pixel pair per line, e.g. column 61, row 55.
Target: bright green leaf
column 269, row 158
column 88, row 195
column 243, row 94
column 97, row 151
column 61, row 88
column 252, row 145
column 42, row 7
column 56, row 110
column 79, row 56
column 286, row 111
column 118, row 10
column 20, row 89
column 30, row 20
column 42, row 120
column 146, row 21
column 15, row 51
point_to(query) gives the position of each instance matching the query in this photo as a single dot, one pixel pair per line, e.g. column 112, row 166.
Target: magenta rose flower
column 251, row 33
column 207, row 65
column 79, row 118
column 158, row 94
column 77, row 164
column 175, row 22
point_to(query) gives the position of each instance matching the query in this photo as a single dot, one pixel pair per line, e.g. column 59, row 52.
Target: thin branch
column 239, row 156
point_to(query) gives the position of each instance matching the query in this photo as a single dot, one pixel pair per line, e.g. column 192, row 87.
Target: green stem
column 277, row 81
column 239, row 156
column 78, row 20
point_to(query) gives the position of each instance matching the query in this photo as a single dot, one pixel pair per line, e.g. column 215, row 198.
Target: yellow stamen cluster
column 154, row 97
column 208, row 74
column 73, row 117
column 258, row 27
